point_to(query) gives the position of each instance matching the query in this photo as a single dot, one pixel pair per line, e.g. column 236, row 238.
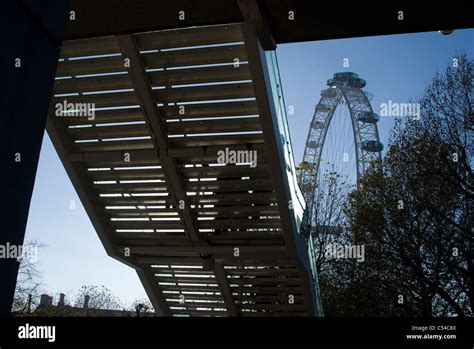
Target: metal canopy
column 206, row 239
column 313, row 20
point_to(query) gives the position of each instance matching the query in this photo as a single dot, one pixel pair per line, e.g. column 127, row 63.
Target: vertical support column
column 32, row 33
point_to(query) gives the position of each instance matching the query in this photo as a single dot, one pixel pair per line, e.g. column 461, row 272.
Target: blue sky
column 396, row 68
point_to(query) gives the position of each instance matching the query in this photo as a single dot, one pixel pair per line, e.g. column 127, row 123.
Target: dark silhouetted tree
column 415, row 215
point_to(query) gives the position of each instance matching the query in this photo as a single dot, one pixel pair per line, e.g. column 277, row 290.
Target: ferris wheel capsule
column 368, row 117
column 372, row 146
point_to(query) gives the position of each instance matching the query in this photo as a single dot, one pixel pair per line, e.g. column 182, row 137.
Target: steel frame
column 357, row 101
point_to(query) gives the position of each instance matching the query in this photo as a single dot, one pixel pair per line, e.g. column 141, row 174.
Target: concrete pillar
column 33, row 32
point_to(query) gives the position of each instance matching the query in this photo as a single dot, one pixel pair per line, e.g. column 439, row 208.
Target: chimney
column 86, row 301
column 46, row 301
column 29, row 303
column 138, row 309
column 61, row 300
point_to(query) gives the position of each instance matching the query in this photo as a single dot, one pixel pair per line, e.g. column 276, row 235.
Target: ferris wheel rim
column 331, row 98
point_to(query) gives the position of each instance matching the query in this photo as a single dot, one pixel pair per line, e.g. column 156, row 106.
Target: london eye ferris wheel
column 343, row 136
